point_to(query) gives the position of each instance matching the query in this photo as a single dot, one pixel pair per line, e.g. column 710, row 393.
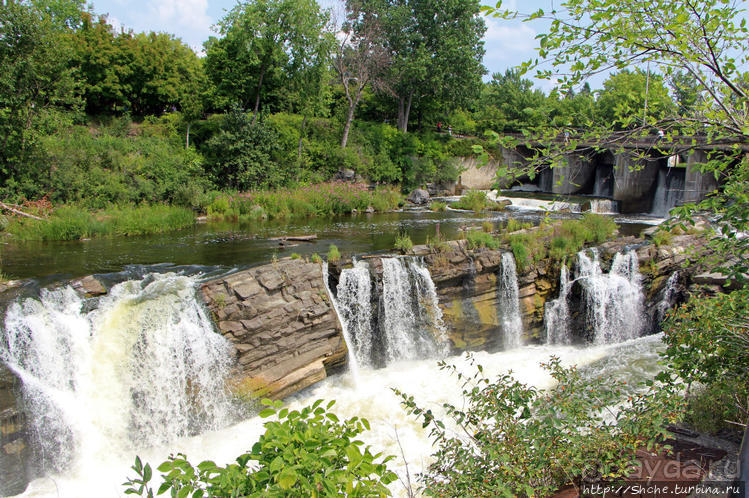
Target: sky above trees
column 508, row 43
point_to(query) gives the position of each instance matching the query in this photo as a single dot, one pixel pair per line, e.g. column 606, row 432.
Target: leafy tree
column 510, row 103
column 265, row 43
column 632, row 99
column 706, row 40
column 239, row 156
column 436, row 48
column 35, row 80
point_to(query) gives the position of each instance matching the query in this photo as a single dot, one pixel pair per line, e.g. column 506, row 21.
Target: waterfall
column 668, row 297
column 602, row 187
column 411, row 324
column 143, row 368
column 509, row 303
column 354, row 308
column 604, row 206
column 668, row 191
column 613, row 301
column 557, row 313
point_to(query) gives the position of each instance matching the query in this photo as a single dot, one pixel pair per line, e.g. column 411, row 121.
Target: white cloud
column 188, row 19
column 509, row 40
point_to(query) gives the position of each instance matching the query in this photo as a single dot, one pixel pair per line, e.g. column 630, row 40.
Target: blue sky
column 508, row 43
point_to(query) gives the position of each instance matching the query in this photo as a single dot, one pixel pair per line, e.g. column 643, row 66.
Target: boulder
column 419, row 196
column 89, row 286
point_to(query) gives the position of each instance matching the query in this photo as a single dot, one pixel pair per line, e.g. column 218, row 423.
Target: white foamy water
column 372, row 399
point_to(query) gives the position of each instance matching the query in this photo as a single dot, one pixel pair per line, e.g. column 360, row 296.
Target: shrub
column 315, row 258
column 403, row 243
column 514, row 225
column 662, row 238
column 438, row 206
column 514, row 440
column 520, row 251
column 474, row 200
column 601, row 227
column 333, row 254
column 487, row 226
column 478, row 239
column 306, row 452
column 295, row 255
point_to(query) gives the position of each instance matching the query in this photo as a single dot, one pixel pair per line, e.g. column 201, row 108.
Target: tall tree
column 360, row 59
column 265, row 42
column 436, row 48
column 630, row 99
column 35, row 78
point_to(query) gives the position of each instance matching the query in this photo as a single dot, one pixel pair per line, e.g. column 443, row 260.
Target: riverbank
column 72, row 222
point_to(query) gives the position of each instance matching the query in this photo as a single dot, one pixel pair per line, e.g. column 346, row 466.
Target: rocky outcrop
column 285, row 332
column 14, row 448
column 419, row 196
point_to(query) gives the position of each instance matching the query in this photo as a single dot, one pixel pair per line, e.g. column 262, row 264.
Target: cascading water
column 668, row 192
column 668, row 297
column 604, row 206
column 509, row 303
column 411, row 324
column 557, row 313
column 354, row 307
column 613, row 301
column 143, row 368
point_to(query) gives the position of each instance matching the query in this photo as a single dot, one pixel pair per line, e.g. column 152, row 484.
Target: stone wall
column 285, row 332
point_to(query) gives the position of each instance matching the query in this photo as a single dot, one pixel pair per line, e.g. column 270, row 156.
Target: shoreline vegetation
column 72, row 222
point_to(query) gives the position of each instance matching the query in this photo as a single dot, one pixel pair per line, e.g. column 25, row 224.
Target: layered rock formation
column 285, row 332
column 14, row 449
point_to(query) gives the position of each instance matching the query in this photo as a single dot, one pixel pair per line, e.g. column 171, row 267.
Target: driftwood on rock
column 19, row 212
column 296, row 238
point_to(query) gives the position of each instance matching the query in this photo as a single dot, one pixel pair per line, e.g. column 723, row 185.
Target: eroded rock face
column 285, row 332
column 419, row 196
column 14, row 448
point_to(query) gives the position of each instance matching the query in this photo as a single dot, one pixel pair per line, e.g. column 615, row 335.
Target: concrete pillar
column 574, row 176
column 634, row 181
column 697, row 184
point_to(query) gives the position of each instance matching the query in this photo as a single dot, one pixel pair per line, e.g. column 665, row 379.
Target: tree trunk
column 187, row 137
column 301, row 137
column 404, row 109
column 257, row 97
column 349, row 119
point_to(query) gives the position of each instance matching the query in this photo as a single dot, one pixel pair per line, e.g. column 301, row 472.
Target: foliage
column 708, row 347
column 477, row 239
column 487, row 226
column 513, row 225
column 437, row 206
column 515, row 440
column 306, row 452
column 74, row 223
column 323, row 199
column 334, row 254
column 403, row 243
column 662, row 238
column 474, row 200
column 629, row 99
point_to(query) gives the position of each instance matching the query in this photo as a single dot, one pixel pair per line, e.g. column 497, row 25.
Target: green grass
column 438, row 206
column 322, row 199
column 514, row 225
column 403, row 243
column 333, row 253
column 73, row 223
column 473, row 200
column 478, row 239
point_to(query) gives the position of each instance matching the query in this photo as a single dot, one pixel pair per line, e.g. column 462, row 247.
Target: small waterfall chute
column 143, row 368
column 668, row 192
column 669, row 296
column 557, row 313
column 509, row 303
column 613, row 301
column 411, row 324
column 353, row 304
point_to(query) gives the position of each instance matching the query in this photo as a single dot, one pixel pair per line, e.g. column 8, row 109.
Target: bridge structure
column 647, row 174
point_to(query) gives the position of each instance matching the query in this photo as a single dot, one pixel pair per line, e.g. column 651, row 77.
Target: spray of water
column 509, row 303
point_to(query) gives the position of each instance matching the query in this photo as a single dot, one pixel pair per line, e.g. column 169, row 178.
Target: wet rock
column 419, row 196
column 89, row 286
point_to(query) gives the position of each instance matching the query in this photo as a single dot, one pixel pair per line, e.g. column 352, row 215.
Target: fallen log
column 296, row 238
column 19, row 212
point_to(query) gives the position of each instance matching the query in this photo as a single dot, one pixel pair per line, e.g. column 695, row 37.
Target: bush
column 514, row 225
column 601, row 227
column 474, row 200
column 662, row 238
column 403, row 243
column 487, row 226
column 308, row 452
column 333, row 254
column 478, row 239
column 514, row 440
column 438, row 206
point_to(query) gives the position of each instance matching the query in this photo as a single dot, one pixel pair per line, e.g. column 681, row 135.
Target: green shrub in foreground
column 333, row 253
column 477, row 239
column 515, row 440
column 403, row 243
column 306, row 452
